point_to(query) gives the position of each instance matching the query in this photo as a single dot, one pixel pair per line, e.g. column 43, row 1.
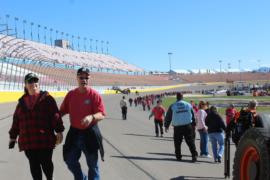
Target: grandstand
column 56, row 66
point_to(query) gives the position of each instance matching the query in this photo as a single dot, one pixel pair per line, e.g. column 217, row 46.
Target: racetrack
column 131, row 150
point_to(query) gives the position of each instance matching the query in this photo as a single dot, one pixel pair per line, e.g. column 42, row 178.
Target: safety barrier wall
column 12, row 96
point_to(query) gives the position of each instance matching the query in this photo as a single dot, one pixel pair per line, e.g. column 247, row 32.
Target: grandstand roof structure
column 25, row 49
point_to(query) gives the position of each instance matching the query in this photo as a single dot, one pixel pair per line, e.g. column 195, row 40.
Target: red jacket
column 36, row 127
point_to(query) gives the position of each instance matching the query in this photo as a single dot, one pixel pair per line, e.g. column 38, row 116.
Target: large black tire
column 252, row 158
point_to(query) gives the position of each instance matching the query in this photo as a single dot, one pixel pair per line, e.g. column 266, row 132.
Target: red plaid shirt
column 36, row 127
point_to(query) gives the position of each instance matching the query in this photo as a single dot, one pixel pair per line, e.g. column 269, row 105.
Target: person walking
column 130, row 100
column 230, row 114
column 202, row 128
column 216, row 128
column 85, row 108
column 182, row 117
column 38, row 126
column 123, row 105
column 158, row 112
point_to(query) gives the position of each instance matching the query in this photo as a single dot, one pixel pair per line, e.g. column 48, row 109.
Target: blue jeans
column 72, row 160
column 203, row 142
column 217, row 138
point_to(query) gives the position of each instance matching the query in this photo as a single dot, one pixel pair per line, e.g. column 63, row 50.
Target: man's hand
column 59, row 138
column 87, row 120
column 11, row 143
column 166, row 130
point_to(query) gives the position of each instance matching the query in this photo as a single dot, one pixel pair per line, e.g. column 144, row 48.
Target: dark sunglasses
column 82, row 78
column 30, row 81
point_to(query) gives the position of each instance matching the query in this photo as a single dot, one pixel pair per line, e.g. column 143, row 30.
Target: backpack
column 242, row 122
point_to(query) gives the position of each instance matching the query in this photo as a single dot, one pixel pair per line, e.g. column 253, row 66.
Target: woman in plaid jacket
column 35, row 122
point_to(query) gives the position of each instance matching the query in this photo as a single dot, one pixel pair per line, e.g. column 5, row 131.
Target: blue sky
column 199, row 33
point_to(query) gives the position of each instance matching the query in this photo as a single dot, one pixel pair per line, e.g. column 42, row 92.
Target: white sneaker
column 206, row 156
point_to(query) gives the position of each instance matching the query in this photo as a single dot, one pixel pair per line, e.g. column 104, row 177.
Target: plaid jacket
column 36, row 127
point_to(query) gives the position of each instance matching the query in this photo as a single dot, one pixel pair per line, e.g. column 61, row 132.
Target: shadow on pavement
column 144, row 158
column 143, row 135
column 168, row 154
column 163, row 139
column 160, row 159
column 183, row 155
column 195, row 178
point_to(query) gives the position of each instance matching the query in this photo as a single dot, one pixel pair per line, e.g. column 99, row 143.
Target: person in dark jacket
column 182, row 117
column 35, row 122
column 216, row 127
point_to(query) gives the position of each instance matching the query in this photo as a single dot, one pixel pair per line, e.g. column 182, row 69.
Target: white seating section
column 25, row 49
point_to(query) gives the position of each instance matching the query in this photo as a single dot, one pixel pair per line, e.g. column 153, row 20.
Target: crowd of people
column 37, row 125
column 187, row 118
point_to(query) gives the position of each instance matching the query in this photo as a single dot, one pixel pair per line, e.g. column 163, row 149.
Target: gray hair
column 252, row 104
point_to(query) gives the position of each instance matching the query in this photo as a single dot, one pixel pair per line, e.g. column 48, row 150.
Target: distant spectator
column 202, row 128
column 230, row 113
column 123, row 105
column 216, row 128
column 159, row 112
column 130, row 100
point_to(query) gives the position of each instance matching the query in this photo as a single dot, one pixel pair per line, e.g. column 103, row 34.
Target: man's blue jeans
column 73, row 156
column 217, row 138
column 203, row 142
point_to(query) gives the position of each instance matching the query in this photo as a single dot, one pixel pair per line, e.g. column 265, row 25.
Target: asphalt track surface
column 132, row 152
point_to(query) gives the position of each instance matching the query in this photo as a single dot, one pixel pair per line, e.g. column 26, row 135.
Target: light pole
column 78, row 43
column 67, row 38
column 72, row 39
column 229, row 67
column 16, row 32
column 107, row 46
column 97, row 46
column 7, row 17
column 56, row 34
column 102, row 46
column 170, row 63
column 24, row 22
column 51, row 29
column 91, row 44
column 31, row 30
column 239, row 63
column 259, row 61
column 220, row 61
column 45, row 36
column 84, row 43
column 38, row 33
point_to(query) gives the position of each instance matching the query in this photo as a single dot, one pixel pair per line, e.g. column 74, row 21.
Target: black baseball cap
column 30, row 76
column 83, row 70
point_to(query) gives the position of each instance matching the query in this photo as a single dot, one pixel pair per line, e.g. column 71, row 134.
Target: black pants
column 158, row 125
column 124, row 112
column 186, row 132
column 40, row 159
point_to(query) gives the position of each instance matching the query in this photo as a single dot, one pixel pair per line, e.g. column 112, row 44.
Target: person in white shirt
column 202, row 129
column 123, row 105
